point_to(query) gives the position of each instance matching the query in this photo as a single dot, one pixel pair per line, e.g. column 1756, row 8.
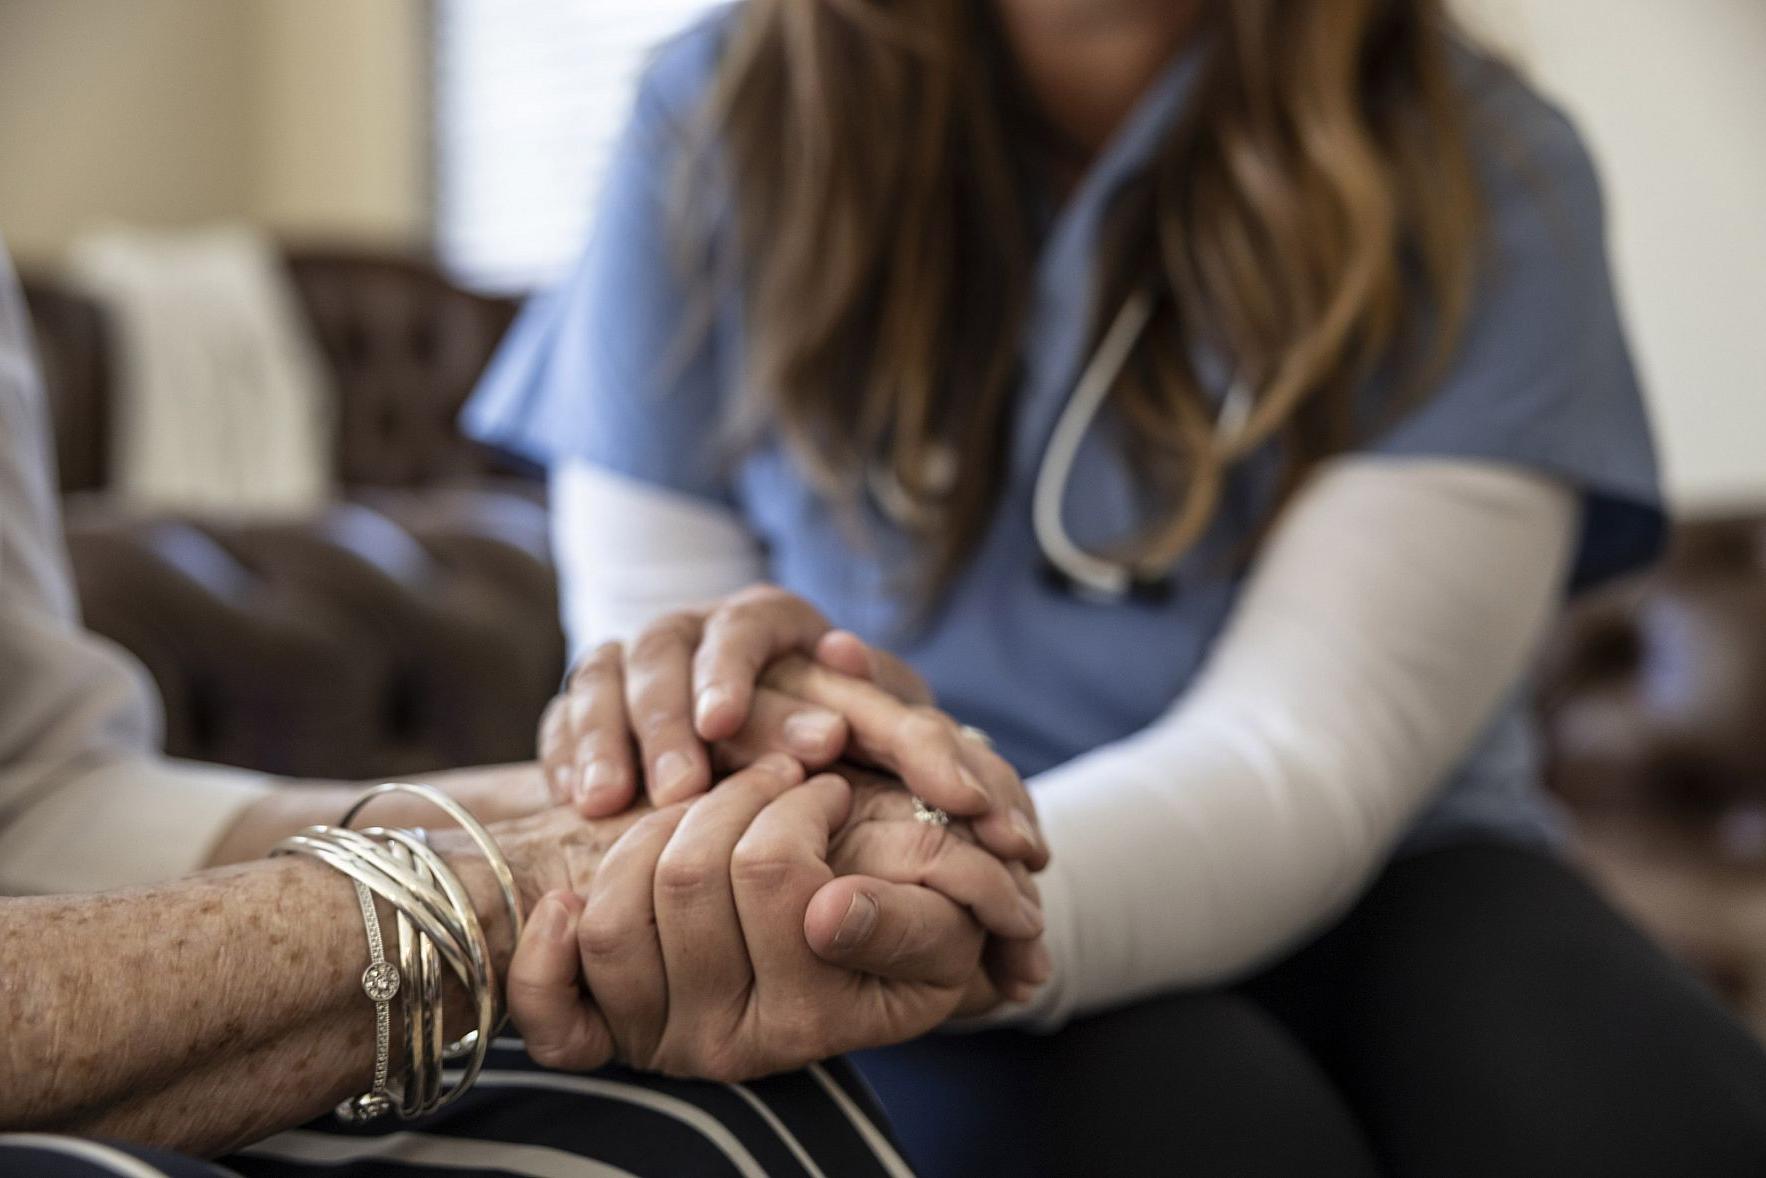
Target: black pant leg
column 1199, row 1085
column 1486, row 1013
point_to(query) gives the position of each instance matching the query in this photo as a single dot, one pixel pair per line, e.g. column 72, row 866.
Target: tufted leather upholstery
column 1654, row 700
column 410, row 626
column 405, row 347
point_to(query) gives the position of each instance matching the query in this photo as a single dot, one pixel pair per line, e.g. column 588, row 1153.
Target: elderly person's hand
column 763, row 671
column 718, row 940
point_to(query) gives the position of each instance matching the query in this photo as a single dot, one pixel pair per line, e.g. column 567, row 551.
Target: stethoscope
column 1070, row 566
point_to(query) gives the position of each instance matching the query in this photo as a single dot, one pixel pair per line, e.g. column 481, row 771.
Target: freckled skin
column 215, row 1010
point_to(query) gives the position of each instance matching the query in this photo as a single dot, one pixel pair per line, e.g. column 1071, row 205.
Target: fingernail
column 711, row 700
column 856, row 925
column 1032, row 915
column 560, row 780
column 973, row 784
column 811, row 732
column 672, row 772
column 1021, row 822
column 599, row 780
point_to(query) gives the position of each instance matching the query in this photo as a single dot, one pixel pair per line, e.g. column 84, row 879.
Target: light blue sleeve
column 609, row 367
column 1543, row 377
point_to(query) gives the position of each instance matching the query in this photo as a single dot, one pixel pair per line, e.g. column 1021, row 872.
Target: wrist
column 475, row 874
column 553, row 850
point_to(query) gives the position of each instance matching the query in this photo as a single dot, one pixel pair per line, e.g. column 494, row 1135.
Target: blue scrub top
column 1541, row 380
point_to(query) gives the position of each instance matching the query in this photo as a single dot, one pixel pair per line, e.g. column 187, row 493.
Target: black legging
column 1480, row 1012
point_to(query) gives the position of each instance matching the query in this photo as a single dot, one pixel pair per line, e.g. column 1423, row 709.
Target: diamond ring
column 930, row 815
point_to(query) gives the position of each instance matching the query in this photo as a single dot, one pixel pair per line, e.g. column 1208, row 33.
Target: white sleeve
column 86, row 801
column 628, row 551
column 1393, row 606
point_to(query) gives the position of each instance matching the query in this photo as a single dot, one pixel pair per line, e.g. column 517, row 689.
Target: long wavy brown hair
column 1313, row 217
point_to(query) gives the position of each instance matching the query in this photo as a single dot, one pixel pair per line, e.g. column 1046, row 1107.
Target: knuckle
column 606, row 659
column 761, row 864
column 927, row 726
column 760, row 593
column 664, row 636
column 658, row 720
column 688, row 873
column 603, row 660
column 601, row 935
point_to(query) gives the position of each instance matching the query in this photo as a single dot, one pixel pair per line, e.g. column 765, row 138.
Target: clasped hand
column 780, row 917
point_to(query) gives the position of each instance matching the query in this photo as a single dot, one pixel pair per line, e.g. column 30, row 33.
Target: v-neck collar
column 1065, row 269
column 1127, row 150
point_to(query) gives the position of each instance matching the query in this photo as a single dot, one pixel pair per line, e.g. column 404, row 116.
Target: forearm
column 241, row 1096
column 1389, row 616
column 195, row 1014
column 493, row 793
column 630, row 551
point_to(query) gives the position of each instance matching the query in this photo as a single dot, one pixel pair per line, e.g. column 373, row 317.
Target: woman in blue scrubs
column 1209, row 402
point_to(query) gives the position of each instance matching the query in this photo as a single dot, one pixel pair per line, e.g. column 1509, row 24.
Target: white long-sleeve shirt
column 1392, row 608
column 86, row 800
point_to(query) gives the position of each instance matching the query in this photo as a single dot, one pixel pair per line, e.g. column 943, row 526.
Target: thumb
column 902, row 932
column 561, row 1028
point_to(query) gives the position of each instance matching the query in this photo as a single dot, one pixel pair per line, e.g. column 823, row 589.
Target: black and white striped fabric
column 522, row 1119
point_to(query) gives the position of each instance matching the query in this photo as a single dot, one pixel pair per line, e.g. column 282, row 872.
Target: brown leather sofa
column 1654, row 699
column 410, row 626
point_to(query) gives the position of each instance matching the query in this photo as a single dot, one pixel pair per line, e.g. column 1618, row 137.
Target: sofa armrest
column 366, row 642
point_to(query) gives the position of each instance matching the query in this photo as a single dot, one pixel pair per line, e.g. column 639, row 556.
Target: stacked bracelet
column 437, row 926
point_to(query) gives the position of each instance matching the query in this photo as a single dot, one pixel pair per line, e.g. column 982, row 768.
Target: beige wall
column 306, row 115
column 342, row 117
column 1672, row 98
column 114, row 108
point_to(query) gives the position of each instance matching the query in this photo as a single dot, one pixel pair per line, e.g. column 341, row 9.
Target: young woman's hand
column 716, row 943
column 762, row 671
column 882, row 839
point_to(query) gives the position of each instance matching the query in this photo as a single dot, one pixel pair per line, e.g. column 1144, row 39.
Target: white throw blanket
column 223, row 405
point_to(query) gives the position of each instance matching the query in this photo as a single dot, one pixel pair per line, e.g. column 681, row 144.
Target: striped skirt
column 522, row 1119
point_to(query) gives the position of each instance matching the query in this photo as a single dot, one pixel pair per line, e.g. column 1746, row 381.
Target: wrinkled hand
column 708, row 943
column 762, row 671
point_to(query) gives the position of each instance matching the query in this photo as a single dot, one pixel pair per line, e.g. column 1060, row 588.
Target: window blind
column 529, row 96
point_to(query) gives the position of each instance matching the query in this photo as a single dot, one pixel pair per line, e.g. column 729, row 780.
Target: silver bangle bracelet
column 439, row 932
column 472, row 826
column 452, row 931
column 381, row 982
column 485, row 992
column 413, row 1093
